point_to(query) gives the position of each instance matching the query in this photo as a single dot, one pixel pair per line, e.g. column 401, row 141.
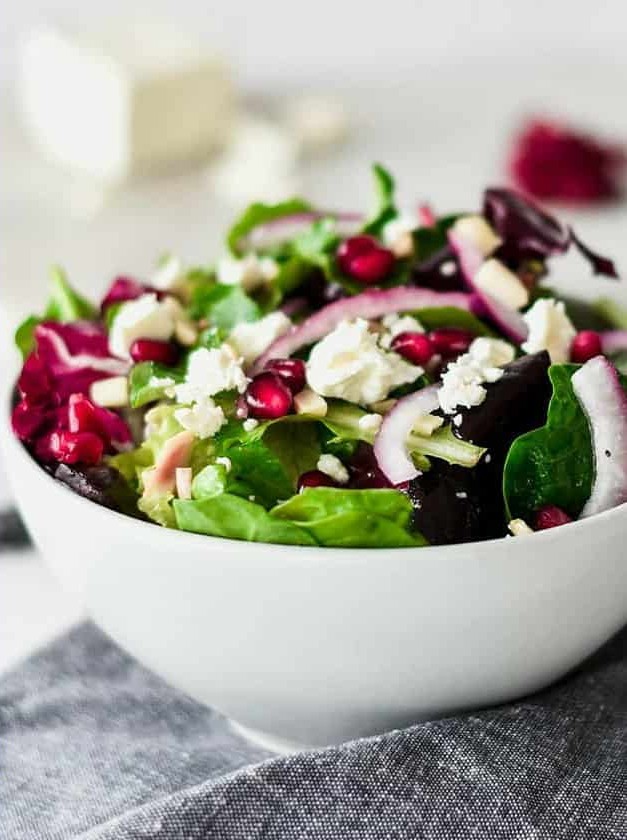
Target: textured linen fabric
column 95, row 747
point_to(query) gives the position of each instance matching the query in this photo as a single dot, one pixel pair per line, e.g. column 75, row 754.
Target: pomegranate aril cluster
column 268, row 397
column 363, row 259
column 550, row 516
column 315, row 478
column 149, row 350
column 585, row 346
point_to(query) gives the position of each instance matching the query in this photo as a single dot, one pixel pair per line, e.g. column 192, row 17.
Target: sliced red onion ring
column 273, row 233
column 604, row 402
column 613, row 341
column 371, row 304
column 390, row 444
column 509, row 321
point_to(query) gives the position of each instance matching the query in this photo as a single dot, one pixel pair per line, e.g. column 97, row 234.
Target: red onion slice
column 273, row 233
column 604, row 402
column 509, row 321
column 371, row 304
column 390, row 444
column 613, row 341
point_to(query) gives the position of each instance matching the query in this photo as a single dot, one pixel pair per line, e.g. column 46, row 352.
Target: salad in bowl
column 336, row 379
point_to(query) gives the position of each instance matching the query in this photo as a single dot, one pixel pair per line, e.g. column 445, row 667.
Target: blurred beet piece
column 101, row 484
column 364, row 470
column 557, row 162
column 439, row 271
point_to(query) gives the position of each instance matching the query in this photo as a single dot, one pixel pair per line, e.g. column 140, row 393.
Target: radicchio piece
column 557, row 163
column 123, row 289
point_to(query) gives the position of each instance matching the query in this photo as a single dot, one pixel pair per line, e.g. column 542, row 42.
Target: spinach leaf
column 223, row 306
column 449, row 316
column 384, row 209
column 552, row 464
column 148, row 382
column 352, row 518
column 236, row 518
column 429, row 240
column 258, row 214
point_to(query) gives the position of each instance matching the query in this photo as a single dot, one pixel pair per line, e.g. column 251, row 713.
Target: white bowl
column 310, row 646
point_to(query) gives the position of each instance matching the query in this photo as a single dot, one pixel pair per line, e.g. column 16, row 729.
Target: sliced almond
column 519, row 528
column 308, row 402
column 111, row 392
column 475, row 229
column 496, row 280
column 183, row 477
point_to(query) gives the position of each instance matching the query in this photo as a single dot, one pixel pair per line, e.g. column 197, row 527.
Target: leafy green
column 110, row 312
column 259, row 214
column 429, row 240
column 444, row 445
column 615, row 314
column 223, row 306
column 64, row 303
column 552, row 464
column 384, row 209
column 352, row 518
column 25, row 335
column 148, row 382
column 231, row 516
column 210, row 481
column 158, row 508
column 450, row 316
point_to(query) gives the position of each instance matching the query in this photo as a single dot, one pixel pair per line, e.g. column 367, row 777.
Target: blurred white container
column 121, row 100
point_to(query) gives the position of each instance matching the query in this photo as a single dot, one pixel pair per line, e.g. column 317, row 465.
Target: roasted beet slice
column 101, row 484
column 515, row 403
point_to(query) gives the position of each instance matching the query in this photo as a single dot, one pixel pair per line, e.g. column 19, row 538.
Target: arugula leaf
column 450, row 316
column 552, row 464
column 25, row 335
column 223, row 306
column 148, row 382
column 259, row 214
column 64, row 303
column 384, row 209
column 353, row 518
column 429, row 240
column 236, row 518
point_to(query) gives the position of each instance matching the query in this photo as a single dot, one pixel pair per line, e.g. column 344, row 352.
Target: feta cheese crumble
column 204, row 418
column 144, row 317
column 550, row 329
column 250, row 425
column 250, row 272
column 463, row 380
column 397, row 235
column 209, row 372
column 349, row 364
column 251, row 339
column 334, row 468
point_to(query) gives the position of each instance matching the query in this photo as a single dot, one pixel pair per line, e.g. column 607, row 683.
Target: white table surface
column 442, row 135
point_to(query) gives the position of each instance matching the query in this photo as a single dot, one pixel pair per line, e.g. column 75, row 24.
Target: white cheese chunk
column 144, row 317
column 464, row 379
column 370, row 423
column 116, row 101
column 334, row 468
column 397, row 235
column 203, row 418
column 209, row 372
column 251, row 339
column 550, row 329
column 250, row 272
column 496, row 280
column 477, row 230
column 349, row 364
column 250, row 424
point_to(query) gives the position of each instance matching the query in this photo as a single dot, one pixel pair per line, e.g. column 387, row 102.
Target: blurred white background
column 432, row 90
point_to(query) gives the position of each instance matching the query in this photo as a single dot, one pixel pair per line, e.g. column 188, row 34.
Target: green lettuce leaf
column 352, row 518
column 258, row 214
column 159, row 509
column 223, row 306
column 25, row 335
column 231, row 516
column 436, row 317
column 144, row 384
column 552, row 464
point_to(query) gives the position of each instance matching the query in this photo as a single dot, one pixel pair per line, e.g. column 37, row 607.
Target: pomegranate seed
column 315, row 478
column 413, row 346
column 268, row 397
column 450, row 341
column 372, row 267
column 586, row 345
column 148, row 350
column 76, row 447
column 290, row 371
column 550, row 516
column 353, row 247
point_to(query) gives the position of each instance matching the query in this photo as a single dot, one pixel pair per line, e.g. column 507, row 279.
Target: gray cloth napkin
column 93, row 746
